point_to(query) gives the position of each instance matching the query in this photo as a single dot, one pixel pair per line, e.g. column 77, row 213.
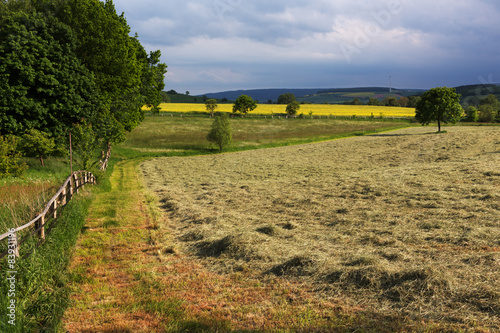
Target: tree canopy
column 43, row 84
column 441, row 105
column 72, row 61
column 286, row 98
column 244, row 104
column 489, row 109
column 37, row 144
column 293, row 108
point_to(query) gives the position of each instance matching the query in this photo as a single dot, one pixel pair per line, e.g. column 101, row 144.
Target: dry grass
column 405, row 223
column 19, row 203
column 129, row 276
column 10, row 194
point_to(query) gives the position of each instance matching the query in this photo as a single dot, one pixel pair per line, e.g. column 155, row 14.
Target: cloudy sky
column 217, row 45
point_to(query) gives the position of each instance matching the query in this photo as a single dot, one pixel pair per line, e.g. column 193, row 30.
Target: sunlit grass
column 161, row 136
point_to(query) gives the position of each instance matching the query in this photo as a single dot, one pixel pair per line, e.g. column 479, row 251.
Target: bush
column 486, row 114
column 85, row 147
column 471, row 114
column 220, row 134
column 38, row 144
column 9, row 158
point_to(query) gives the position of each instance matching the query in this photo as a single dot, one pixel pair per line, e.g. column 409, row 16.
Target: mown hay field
column 405, row 223
column 316, row 109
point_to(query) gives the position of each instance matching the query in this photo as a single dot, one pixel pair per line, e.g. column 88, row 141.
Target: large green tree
column 152, row 79
column 64, row 62
column 43, row 85
column 118, row 61
column 441, row 105
column 293, row 108
column 244, row 104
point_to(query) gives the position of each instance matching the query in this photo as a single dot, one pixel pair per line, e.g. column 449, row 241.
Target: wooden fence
column 41, row 224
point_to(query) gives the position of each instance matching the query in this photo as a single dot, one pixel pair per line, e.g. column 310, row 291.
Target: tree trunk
column 41, row 160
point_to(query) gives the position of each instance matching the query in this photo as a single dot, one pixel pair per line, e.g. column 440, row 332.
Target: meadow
column 167, row 136
column 400, row 229
column 378, row 232
column 316, row 109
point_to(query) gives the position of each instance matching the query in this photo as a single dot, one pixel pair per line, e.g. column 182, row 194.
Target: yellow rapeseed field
column 316, row 109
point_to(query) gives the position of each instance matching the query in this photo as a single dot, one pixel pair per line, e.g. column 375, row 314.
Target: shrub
column 37, row 144
column 471, row 114
column 9, row 158
column 85, row 146
column 220, row 134
column 486, row 114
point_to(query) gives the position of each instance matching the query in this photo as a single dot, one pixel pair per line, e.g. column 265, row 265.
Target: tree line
column 440, row 105
column 403, row 102
column 72, row 65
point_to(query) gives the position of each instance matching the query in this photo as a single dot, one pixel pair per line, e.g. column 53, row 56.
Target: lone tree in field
column 439, row 104
column 220, row 134
column 211, row 105
column 244, row 104
column 293, row 108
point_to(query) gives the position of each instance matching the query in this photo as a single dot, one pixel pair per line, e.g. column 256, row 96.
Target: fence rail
column 40, row 224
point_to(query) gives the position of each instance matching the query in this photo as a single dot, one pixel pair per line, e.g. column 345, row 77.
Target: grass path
column 112, row 247
column 128, row 276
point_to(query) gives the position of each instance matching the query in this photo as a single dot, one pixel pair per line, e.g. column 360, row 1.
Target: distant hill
column 318, row 95
column 471, row 94
column 262, row 95
column 175, row 97
column 341, row 95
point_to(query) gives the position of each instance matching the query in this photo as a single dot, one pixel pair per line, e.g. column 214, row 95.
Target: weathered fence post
column 42, row 226
column 76, row 182
column 63, row 201
column 55, row 209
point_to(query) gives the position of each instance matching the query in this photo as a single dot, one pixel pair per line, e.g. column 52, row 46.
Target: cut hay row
column 316, row 109
column 400, row 223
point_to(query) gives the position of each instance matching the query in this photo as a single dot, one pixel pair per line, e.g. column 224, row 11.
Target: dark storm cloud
column 212, row 45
